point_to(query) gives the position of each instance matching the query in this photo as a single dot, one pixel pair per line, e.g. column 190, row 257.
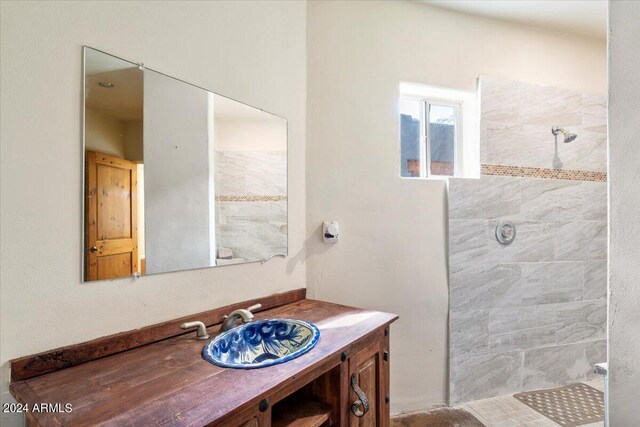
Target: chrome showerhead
column 568, row 136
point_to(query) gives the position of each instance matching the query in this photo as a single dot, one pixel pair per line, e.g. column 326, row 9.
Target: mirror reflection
column 176, row 177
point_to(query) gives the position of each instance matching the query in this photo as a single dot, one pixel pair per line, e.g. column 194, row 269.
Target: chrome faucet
column 245, row 314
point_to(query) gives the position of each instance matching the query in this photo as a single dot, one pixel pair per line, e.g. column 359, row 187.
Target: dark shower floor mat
column 570, row 406
column 444, row 417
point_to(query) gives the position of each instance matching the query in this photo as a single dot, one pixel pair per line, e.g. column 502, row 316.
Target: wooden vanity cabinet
column 157, row 376
column 331, row 399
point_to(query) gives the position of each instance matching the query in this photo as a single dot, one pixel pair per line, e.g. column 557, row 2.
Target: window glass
column 442, row 139
column 410, row 131
column 439, row 132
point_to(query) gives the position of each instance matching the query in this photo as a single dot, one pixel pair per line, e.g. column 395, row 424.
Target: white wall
column 104, row 133
column 108, row 135
column 251, row 134
column 177, row 175
column 251, row 51
column 624, row 205
column 133, row 135
column 391, row 255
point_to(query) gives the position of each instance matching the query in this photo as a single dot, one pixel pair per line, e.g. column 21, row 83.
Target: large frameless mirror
column 176, row 177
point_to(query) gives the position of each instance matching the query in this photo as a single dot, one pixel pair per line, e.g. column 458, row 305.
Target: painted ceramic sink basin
column 261, row 343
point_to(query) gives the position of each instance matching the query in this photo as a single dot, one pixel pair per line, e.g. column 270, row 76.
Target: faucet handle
column 201, row 334
column 254, row 307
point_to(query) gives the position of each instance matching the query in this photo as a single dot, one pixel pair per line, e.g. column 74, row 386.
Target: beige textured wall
column 250, row 51
column 392, row 255
column 624, row 205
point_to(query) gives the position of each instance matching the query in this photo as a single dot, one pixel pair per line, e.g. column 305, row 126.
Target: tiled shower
column 531, row 314
column 251, row 188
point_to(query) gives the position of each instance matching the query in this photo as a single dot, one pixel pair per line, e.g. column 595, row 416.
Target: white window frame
column 466, row 138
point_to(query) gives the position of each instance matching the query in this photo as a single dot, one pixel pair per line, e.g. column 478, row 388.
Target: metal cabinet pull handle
column 94, row 249
column 360, row 406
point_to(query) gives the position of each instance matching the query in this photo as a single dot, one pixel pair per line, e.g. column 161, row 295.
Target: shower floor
column 501, row 411
column 507, row 411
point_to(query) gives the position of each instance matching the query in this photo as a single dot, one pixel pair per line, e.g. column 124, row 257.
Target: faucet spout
column 244, row 314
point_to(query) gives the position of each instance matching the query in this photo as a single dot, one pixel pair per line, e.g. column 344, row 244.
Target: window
column 432, row 128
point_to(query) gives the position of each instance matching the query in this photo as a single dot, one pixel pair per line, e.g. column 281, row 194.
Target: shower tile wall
column 253, row 227
column 517, row 119
column 532, row 314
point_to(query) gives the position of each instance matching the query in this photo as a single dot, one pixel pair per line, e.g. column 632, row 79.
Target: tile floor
column 506, row 411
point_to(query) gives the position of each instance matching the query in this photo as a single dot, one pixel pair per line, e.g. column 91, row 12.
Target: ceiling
column 583, row 17
column 124, row 100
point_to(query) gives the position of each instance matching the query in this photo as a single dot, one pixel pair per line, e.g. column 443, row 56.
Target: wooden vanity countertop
column 168, row 382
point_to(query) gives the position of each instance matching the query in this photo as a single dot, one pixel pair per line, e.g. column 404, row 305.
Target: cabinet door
column 369, row 381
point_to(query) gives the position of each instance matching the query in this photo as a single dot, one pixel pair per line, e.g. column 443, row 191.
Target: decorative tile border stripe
column 252, row 198
column 544, row 173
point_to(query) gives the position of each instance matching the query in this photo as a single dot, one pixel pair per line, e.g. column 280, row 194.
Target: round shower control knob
column 506, row 232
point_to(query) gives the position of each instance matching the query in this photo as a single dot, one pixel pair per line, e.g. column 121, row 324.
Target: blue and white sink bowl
column 261, row 343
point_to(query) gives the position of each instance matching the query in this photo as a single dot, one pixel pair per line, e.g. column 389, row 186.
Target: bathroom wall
column 624, row 172
column 133, row 136
column 177, row 174
column 108, row 135
column 251, row 134
column 391, row 254
column 532, row 314
column 250, row 51
column 105, row 134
